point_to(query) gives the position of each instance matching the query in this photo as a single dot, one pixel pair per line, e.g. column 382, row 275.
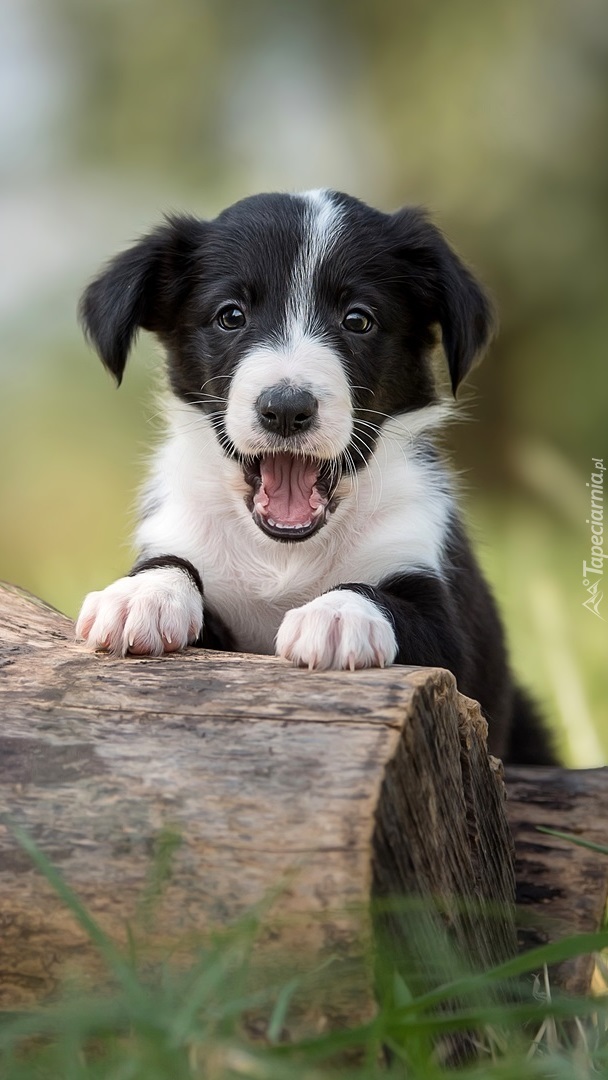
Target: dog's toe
column 154, row 612
column 340, row 630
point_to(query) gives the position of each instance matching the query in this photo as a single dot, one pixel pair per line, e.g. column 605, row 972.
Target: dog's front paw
column 339, row 630
column 154, row 612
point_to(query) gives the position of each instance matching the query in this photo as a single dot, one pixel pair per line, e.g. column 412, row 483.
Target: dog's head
column 297, row 324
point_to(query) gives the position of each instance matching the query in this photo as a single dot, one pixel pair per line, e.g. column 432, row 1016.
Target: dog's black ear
column 447, row 291
column 140, row 288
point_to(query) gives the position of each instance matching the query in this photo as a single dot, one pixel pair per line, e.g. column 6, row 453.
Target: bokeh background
column 494, row 115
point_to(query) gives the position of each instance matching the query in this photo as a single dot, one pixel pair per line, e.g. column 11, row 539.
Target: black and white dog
column 297, row 503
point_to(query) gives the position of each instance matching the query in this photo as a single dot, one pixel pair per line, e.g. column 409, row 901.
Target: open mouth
column 292, row 495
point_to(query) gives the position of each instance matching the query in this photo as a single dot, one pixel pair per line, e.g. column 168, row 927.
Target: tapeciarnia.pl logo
column 593, row 571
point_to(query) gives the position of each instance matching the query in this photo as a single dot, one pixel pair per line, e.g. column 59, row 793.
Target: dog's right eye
column 357, row 321
column 231, row 318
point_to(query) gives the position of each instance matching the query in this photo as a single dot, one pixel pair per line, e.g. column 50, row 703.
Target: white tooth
column 286, row 527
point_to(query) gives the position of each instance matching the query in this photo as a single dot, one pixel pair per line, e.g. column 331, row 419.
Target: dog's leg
column 412, row 619
column 216, row 634
column 355, row 626
column 341, row 629
column 157, row 608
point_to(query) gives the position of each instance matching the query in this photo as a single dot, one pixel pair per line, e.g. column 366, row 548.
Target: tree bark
column 307, row 793
column 561, row 888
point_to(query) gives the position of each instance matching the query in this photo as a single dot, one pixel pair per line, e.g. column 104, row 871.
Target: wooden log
column 328, row 788
column 561, row 888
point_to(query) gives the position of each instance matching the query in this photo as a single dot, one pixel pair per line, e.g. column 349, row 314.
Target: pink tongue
column 288, row 483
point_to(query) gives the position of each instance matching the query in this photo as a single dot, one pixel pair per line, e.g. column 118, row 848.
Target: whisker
column 368, row 389
column 354, row 475
column 365, row 462
column 195, row 424
column 213, row 379
column 359, row 436
column 366, row 423
column 383, row 437
column 378, row 498
column 381, row 441
column 378, row 412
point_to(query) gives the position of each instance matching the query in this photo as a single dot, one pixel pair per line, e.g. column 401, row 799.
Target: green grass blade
column 86, row 1018
column 277, row 1020
column 601, row 848
column 500, row 1015
column 554, row 953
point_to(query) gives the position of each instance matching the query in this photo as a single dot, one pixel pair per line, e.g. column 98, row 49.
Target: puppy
column 297, row 504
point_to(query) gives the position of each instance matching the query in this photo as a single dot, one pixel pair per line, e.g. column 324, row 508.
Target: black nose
column 287, row 410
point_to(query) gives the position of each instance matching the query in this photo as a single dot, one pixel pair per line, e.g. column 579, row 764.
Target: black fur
column 161, row 562
column 216, row 634
column 175, row 280
column 453, row 622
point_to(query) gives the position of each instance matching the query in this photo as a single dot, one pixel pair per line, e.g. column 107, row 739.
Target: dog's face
column 297, row 324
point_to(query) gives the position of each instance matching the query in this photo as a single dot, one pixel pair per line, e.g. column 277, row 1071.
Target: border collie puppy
column 297, row 504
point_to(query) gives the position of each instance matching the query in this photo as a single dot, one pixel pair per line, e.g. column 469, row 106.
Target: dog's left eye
column 231, row 318
column 357, row 321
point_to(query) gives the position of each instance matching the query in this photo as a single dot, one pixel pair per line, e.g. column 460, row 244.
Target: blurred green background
column 494, row 115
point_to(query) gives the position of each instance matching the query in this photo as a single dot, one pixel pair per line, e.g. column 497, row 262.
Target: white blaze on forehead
column 322, row 225
column 297, row 353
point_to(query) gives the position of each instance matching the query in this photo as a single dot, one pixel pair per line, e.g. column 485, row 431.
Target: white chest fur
column 391, row 518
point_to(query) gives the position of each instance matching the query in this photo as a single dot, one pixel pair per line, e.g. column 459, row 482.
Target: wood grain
column 561, row 888
column 320, row 791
